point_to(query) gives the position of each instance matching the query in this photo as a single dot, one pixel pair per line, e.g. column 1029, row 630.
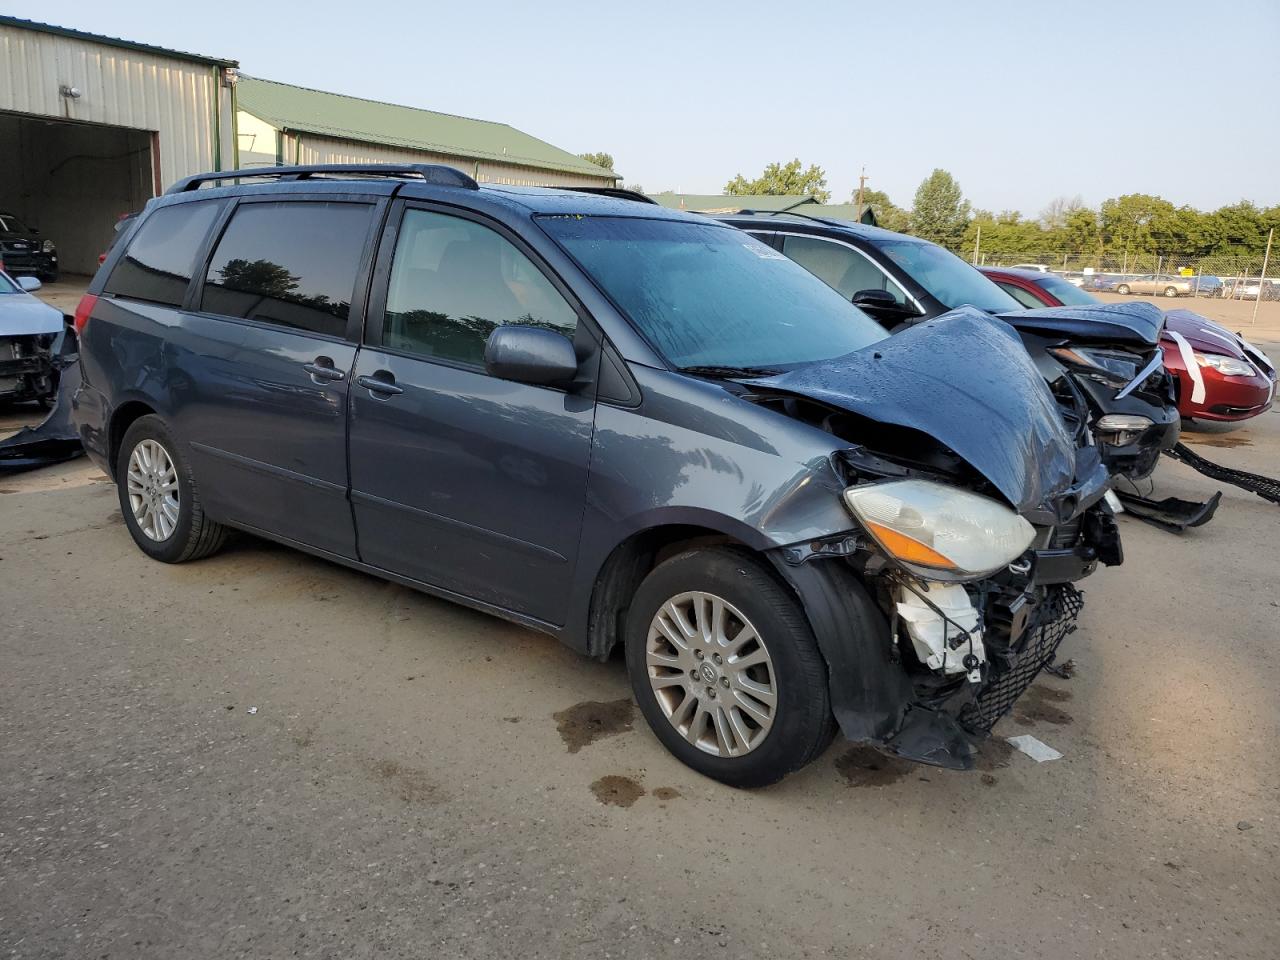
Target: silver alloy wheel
column 711, row 674
column 153, row 489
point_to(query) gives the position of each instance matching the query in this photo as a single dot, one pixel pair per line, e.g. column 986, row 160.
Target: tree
column 940, row 212
column 783, row 179
column 1059, row 210
column 888, row 214
column 601, row 159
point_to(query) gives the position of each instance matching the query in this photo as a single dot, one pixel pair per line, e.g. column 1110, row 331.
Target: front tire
column 1170, row 291
column 725, row 668
column 1123, row 289
column 159, row 496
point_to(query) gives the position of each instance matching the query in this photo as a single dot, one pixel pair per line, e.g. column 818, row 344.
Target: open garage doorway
column 71, row 181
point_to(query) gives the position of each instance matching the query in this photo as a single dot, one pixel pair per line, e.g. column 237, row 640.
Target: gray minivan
column 610, row 422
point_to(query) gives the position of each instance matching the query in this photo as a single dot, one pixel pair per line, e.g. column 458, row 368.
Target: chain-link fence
column 1236, row 276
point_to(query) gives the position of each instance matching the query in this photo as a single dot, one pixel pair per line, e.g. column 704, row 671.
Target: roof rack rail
column 436, row 173
column 616, row 192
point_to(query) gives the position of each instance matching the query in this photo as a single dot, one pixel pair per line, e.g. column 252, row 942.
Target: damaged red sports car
column 1221, row 376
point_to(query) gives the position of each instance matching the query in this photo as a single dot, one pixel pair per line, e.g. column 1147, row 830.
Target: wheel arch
column 630, row 561
column 122, row 418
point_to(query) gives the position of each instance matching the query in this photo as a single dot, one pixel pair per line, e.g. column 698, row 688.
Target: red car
column 1221, row 376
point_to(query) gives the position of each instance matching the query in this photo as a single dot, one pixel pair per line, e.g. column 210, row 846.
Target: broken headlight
column 1227, row 366
column 1113, row 367
column 940, row 532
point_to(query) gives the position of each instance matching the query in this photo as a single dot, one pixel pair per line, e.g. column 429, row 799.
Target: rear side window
column 157, row 266
column 291, row 263
column 453, row 281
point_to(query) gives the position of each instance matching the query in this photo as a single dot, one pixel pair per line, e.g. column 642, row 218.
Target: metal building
column 93, row 126
column 279, row 123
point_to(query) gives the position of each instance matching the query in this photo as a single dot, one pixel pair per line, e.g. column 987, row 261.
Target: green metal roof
column 6, row 21
column 303, row 110
column 728, row 203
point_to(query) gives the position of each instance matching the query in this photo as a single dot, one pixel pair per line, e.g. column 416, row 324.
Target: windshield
column 1068, row 294
column 11, row 224
column 946, row 277
column 707, row 295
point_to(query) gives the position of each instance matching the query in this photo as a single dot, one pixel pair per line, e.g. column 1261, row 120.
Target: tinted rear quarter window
column 157, row 266
column 292, row 263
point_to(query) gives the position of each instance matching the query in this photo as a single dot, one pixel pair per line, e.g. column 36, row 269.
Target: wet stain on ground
column 1038, row 705
column 865, row 767
column 993, row 754
column 6, row 490
column 616, row 791
column 666, row 793
column 1217, row 440
column 593, row 720
column 408, row 783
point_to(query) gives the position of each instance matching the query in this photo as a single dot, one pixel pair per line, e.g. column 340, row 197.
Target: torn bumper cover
column 54, row 440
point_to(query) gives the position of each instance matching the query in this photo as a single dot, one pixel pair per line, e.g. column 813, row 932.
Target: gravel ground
column 265, row 755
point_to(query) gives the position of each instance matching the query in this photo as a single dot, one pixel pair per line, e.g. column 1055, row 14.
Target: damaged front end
column 27, row 366
column 958, row 585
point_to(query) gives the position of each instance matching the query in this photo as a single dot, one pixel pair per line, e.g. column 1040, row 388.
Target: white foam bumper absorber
column 931, row 633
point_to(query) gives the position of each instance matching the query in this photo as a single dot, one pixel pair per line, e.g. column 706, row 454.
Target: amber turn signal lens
column 904, row 548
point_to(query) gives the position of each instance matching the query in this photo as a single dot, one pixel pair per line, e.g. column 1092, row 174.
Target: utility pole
column 1262, row 278
column 977, row 245
column 862, row 185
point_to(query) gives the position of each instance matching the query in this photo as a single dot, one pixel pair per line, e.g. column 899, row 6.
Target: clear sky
column 1021, row 101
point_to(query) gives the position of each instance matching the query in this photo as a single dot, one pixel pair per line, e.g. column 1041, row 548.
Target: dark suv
column 24, row 252
column 610, row 422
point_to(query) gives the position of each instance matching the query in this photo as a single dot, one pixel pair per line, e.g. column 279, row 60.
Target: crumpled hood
column 966, row 380
column 1137, row 323
column 22, row 315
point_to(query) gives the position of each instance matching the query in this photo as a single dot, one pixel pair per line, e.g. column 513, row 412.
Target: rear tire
column 1170, row 291
column 1123, row 289
column 708, row 700
column 159, row 496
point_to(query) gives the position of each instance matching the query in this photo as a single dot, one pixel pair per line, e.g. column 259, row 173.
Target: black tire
column 1170, row 291
column 194, row 535
column 1123, row 289
column 802, row 724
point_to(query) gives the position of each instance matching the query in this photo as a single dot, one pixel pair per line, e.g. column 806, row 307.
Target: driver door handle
column 382, row 382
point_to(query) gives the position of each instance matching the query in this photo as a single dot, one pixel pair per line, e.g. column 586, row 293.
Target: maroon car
column 1220, row 375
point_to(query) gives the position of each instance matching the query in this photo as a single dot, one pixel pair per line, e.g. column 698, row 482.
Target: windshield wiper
column 728, row 372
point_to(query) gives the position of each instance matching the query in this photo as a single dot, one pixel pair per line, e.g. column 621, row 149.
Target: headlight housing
column 1227, row 366
column 940, row 532
column 48, row 246
column 1113, row 367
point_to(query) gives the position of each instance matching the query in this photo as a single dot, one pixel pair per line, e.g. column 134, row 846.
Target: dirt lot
column 266, row 755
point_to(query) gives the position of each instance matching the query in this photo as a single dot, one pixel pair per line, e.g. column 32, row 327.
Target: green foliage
column 601, row 159
column 783, row 179
column 940, row 212
column 888, row 214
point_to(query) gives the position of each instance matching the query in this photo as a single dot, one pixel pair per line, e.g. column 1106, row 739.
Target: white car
column 31, row 334
column 1038, row 267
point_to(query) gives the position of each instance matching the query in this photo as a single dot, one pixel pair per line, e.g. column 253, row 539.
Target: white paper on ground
column 1035, row 749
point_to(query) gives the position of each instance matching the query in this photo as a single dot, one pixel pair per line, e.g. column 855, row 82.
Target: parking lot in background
column 264, row 754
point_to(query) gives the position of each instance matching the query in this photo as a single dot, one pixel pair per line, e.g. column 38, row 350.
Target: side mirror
column 530, row 355
column 876, row 299
column 29, row 284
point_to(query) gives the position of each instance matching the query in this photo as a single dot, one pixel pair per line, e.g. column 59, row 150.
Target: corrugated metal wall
column 126, row 88
column 310, row 148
